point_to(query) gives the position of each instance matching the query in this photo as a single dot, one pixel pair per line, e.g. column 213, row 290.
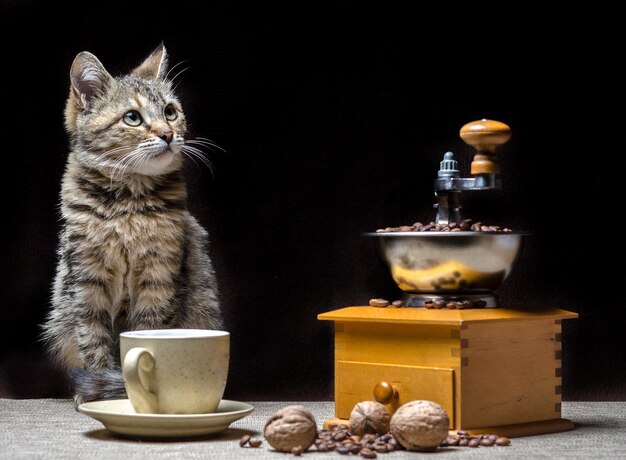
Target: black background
column 334, row 118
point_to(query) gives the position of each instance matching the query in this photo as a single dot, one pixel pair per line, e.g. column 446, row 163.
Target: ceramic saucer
column 119, row 417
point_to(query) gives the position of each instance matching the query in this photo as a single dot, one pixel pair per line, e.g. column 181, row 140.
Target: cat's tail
column 97, row 385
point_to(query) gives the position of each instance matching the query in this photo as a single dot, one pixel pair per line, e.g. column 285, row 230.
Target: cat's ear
column 89, row 78
column 155, row 65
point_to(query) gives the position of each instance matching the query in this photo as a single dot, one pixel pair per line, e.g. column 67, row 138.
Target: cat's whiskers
column 113, row 163
column 176, row 76
column 121, row 165
column 213, row 147
column 191, row 157
column 192, row 152
column 139, row 155
column 172, row 68
column 208, row 142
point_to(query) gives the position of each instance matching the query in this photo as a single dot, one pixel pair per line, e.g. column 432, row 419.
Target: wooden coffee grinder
column 496, row 369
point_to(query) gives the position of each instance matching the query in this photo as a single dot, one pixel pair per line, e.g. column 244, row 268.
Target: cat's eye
column 170, row 113
column 132, row 118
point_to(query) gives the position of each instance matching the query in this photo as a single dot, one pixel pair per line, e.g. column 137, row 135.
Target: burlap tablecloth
column 48, row 428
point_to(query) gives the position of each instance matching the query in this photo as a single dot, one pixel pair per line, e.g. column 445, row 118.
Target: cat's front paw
column 78, row 400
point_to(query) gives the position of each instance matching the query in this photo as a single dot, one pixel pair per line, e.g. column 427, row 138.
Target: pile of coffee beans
column 460, row 304
column 338, row 438
column 383, row 303
column 457, row 303
column 463, row 439
column 466, row 225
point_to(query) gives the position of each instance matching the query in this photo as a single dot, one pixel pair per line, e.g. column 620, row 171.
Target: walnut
column 369, row 417
column 420, row 425
column 290, row 427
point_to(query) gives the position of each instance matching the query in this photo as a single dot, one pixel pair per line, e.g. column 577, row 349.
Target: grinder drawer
column 355, row 382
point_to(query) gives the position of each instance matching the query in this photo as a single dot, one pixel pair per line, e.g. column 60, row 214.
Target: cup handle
column 139, row 360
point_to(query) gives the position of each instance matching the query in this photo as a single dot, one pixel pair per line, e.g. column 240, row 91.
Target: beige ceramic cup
column 175, row 371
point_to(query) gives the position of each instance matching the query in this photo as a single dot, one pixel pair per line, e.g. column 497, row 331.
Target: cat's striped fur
column 130, row 254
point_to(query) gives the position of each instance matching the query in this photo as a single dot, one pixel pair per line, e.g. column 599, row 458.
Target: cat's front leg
column 94, row 328
column 154, row 292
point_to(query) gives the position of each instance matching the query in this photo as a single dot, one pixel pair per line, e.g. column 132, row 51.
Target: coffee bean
column 369, row 437
column 297, row 451
column 493, row 436
column 487, row 442
column 463, row 442
column 380, row 303
column 322, row 448
column 463, row 433
column 474, row 442
column 343, row 449
column 397, row 304
column 340, row 436
column 440, row 303
column 244, row 440
column 428, row 304
column 367, row 453
column 255, row 442
column 502, row 441
column 379, row 447
column 355, row 449
column 452, row 441
column 390, row 447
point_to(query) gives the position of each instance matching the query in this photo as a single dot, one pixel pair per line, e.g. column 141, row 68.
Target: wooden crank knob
column 485, row 136
column 385, row 392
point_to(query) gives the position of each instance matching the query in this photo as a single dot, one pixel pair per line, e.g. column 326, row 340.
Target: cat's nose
column 166, row 135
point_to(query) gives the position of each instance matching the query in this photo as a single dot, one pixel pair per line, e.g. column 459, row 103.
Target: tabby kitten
column 130, row 254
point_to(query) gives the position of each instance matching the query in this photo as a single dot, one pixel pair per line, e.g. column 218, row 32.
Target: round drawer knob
column 385, row 392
